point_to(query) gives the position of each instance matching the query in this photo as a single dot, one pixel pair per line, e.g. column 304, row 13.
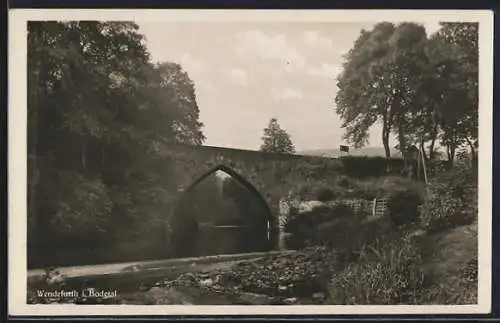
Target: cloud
column 315, row 39
column 325, row 70
column 239, row 76
column 287, row 93
column 269, row 47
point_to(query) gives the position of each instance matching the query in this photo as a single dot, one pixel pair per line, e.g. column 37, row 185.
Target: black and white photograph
column 332, row 160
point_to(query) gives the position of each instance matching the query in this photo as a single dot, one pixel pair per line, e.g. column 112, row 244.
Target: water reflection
column 219, row 215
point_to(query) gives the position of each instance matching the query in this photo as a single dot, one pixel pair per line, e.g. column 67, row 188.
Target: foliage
column 456, row 56
column 404, row 206
column 305, row 227
column 452, row 199
column 98, row 111
column 301, row 229
column 364, row 166
column 384, row 274
column 436, row 167
column 325, row 195
column 89, row 211
column 344, row 182
column 276, row 139
column 378, row 82
column 422, row 90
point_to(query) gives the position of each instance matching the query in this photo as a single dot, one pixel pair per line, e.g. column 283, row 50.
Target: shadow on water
column 220, row 214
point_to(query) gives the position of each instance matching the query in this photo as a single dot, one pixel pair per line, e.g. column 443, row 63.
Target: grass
column 382, row 275
column 437, row 269
column 451, row 263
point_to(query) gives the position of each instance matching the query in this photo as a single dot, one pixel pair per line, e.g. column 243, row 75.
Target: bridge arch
column 176, row 221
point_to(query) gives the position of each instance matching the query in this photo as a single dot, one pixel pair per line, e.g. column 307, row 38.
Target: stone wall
column 271, row 175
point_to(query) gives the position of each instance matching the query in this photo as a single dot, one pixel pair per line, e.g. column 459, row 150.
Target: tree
column 276, row 139
column 409, row 63
column 97, row 108
column 454, row 51
column 381, row 82
column 76, row 110
column 365, row 92
column 421, row 90
column 177, row 92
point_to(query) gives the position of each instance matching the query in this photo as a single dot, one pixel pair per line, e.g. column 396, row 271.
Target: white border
column 17, row 152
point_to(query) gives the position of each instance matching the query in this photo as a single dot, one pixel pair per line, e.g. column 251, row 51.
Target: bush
column 384, row 274
column 344, row 182
column 325, row 195
column 436, row 167
column 451, row 200
column 403, row 206
column 342, row 210
column 319, row 171
column 304, row 228
column 364, row 166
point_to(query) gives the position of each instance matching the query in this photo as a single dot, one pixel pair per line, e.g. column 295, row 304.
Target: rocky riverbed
column 297, row 278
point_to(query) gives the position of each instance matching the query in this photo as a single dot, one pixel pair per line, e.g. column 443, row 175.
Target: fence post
column 374, row 207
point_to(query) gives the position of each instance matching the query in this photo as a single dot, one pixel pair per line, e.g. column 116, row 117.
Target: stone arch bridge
column 271, row 176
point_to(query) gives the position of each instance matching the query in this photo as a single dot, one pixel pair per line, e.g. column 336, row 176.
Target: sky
column 247, row 73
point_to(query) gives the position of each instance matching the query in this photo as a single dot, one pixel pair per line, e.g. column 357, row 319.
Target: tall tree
column 76, row 110
column 409, row 62
column 276, row 139
column 177, row 94
column 455, row 53
column 97, row 108
column 419, row 89
column 381, row 83
column 366, row 92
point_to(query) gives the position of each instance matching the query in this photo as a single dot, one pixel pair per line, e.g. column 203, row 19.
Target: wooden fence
column 375, row 208
column 372, row 208
column 379, row 207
